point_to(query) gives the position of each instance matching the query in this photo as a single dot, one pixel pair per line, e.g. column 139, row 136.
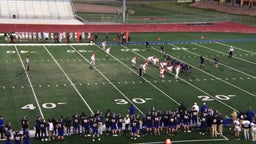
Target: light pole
column 124, row 10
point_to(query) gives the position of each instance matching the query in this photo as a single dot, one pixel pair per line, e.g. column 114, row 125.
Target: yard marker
column 234, row 78
column 103, row 83
column 248, row 78
column 56, row 85
column 133, row 82
column 39, row 85
column 226, row 78
column 126, row 82
column 241, row 78
column 4, row 87
column 80, row 84
column 30, row 83
column 69, row 80
column 6, row 60
column 22, row 86
column 96, row 83
column 88, row 83
column 48, row 85
column 65, row 85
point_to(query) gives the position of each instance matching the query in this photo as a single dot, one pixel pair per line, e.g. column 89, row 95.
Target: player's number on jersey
column 219, row 97
column 135, row 100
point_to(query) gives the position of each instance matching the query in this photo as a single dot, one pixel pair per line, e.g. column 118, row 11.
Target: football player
column 161, row 72
column 104, row 43
column 93, row 59
column 134, row 59
column 177, row 71
column 108, row 51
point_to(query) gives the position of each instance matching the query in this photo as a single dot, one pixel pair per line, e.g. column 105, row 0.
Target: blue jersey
column 17, row 138
column 95, row 128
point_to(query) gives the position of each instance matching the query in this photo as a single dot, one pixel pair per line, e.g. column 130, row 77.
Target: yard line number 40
column 44, row 105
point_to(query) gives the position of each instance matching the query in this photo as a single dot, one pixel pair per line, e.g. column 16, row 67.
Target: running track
column 185, row 27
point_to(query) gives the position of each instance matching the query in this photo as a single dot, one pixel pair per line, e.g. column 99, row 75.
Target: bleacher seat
column 40, row 9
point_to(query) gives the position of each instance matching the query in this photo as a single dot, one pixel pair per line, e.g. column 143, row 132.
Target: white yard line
column 73, row 85
column 220, row 63
column 30, row 84
column 225, row 54
column 236, row 48
column 245, row 91
column 107, row 79
column 191, row 83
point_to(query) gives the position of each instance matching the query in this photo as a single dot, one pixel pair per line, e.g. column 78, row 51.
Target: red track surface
column 215, row 27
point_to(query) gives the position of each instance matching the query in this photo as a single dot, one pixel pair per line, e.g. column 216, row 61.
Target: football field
column 62, row 82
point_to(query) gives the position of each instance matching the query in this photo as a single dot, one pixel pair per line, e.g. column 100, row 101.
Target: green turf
column 64, row 82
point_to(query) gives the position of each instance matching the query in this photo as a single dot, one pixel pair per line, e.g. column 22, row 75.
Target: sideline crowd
column 204, row 120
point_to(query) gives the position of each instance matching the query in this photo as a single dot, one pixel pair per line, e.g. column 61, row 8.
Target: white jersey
column 155, row 61
column 144, row 67
column 151, row 58
column 170, row 68
column 103, row 45
column 231, row 49
column 178, row 68
column 162, row 72
column 237, row 125
column 51, row 127
column 93, row 57
column 134, row 60
column 108, row 50
column 163, row 64
column 27, row 61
